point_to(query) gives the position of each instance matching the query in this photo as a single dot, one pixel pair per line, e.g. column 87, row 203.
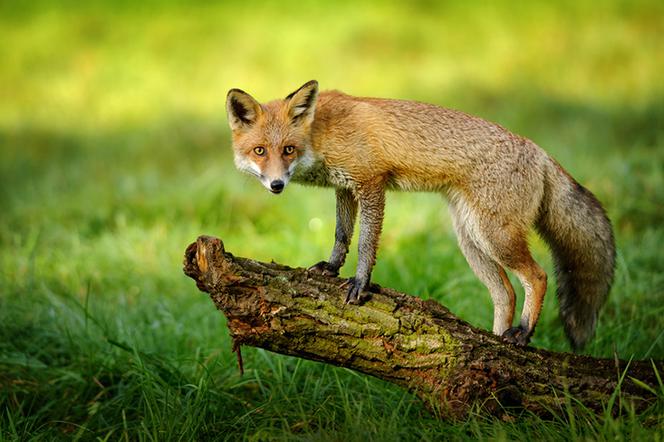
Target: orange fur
column 499, row 186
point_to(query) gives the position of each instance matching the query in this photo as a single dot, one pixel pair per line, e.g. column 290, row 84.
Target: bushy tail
column 580, row 236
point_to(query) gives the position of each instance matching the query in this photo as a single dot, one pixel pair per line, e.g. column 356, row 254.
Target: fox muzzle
column 277, row 186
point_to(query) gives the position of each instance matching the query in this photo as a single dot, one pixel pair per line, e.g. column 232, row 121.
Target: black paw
column 324, row 268
column 517, row 335
column 355, row 293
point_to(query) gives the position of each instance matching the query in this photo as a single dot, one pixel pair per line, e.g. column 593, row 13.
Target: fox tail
column 579, row 233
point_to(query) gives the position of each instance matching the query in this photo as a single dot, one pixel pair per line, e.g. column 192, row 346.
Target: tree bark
column 419, row 345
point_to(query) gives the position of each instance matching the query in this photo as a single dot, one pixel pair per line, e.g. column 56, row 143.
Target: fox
column 498, row 185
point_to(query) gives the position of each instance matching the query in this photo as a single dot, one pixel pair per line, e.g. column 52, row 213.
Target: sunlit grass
column 98, row 65
column 114, row 155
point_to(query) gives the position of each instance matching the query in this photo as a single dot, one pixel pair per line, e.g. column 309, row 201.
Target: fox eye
column 260, row 151
column 288, row 150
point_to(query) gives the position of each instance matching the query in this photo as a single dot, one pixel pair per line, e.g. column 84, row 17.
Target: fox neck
column 311, row 170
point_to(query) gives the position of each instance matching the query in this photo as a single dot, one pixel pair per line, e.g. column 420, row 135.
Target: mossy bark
column 402, row 339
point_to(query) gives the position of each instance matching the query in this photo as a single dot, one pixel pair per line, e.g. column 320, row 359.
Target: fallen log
column 402, row 339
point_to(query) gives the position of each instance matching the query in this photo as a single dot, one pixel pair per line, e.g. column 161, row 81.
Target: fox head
column 271, row 140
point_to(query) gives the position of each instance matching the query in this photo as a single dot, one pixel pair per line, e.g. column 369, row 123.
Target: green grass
column 114, row 155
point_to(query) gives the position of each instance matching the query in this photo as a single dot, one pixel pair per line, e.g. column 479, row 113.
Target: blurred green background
column 115, row 154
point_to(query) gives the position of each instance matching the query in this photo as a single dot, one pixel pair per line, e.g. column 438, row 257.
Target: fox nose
column 277, row 186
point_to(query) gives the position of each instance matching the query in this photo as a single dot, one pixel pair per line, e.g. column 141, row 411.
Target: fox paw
column 517, row 335
column 324, row 268
column 355, row 293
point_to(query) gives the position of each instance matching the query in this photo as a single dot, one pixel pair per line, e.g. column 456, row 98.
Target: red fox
column 498, row 185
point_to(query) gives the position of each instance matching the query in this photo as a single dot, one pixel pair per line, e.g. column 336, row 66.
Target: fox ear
column 302, row 102
column 242, row 109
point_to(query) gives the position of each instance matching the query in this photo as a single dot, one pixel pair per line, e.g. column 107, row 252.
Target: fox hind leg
column 490, row 245
column 509, row 247
column 488, row 271
column 534, row 280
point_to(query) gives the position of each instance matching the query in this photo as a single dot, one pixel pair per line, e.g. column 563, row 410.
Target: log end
column 206, row 262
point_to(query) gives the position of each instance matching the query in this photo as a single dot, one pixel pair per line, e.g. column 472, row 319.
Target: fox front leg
column 372, row 206
column 346, row 214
